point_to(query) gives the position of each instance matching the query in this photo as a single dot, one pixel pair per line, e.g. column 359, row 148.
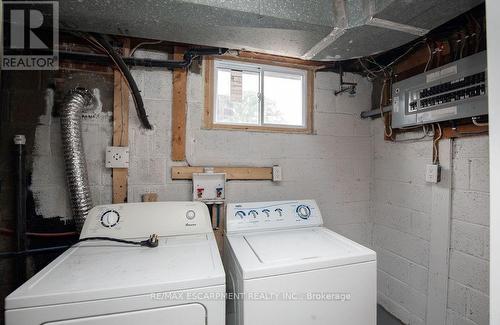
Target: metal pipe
column 140, row 62
column 20, row 142
column 375, row 113
column 74, row 156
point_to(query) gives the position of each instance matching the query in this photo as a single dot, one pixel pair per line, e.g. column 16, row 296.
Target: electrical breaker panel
column 454, row 91
column 209, row 187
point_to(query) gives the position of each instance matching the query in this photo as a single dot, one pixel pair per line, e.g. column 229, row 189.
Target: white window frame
column 261, row 69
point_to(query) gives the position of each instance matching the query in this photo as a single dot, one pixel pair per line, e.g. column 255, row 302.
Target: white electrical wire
column 132, row 51
column 367, row 70
column 431, row 54
column 435, row 159
column 426, row 134
column 383, row 68
column 476, row 123
column 388, row 135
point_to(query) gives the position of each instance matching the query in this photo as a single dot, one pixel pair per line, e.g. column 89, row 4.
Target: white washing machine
column 284, row 268
column 100, row 282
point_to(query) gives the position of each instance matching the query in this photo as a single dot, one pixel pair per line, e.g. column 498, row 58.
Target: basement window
column 258, row 97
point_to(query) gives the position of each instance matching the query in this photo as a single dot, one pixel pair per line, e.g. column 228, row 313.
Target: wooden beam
column 463, row 131
column 232, row 173
column 120, row 131
column 179, row 109
column 416, row 62
column 279, row 60
column 150, row 197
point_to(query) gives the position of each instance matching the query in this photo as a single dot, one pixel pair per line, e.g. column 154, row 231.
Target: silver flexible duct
column 76, row 168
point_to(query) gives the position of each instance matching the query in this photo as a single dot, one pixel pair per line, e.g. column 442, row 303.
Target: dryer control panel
column 272, row 215
column 140, row 220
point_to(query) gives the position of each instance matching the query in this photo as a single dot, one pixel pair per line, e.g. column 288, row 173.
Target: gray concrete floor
column 385, row 318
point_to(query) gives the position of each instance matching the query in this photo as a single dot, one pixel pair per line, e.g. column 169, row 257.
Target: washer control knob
column 240, row 214
column 303, row 211
column 279, row 211
column 110, row 218
column 266, row 212
column 190, row 214
column 253, row 213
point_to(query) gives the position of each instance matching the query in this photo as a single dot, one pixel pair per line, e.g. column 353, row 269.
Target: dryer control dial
column 240, row 214
column 110, row 218
column 303, row 211
column 253, row 213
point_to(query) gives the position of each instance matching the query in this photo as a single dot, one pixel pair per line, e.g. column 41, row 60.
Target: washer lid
column 277, row 252
column 103, row 269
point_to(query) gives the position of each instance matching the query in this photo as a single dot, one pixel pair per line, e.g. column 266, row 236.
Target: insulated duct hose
column 74, row 157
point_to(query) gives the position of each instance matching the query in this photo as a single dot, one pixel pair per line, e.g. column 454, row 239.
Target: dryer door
column 190, row 314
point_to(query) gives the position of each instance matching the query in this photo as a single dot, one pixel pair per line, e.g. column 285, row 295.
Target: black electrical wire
column 139, row 104
column 151, row 242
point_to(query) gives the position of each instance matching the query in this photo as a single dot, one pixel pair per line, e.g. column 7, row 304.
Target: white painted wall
column 493, row 25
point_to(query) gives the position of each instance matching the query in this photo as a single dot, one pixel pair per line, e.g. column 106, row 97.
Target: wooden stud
column 179, row 109
column 150, row 197
column 209, row 92
column 120, row 131
column 232, row 173
column 310, row 100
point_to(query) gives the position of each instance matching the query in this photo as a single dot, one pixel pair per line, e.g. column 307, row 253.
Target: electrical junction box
column 117, row 157
column 209, row 187
column 277, row 177
column 454, row 91
column 433, row 173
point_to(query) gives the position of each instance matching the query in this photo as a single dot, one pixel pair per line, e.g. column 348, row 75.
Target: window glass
column 261, row 95
column 237, row 97
column 283, row 101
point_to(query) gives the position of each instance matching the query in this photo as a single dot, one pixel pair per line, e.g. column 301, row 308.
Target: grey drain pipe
column 74, row 157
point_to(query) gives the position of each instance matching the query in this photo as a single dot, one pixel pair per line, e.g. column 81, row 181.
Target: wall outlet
column 277, row 177
column 433, row 173
column 117, row 157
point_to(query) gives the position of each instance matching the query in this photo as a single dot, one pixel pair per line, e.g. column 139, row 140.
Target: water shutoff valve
column 199, row 192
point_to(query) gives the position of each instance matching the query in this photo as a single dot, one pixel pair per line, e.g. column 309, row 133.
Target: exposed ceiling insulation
column 329, row 30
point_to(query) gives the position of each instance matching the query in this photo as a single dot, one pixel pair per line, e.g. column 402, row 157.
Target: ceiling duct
column 330, row 30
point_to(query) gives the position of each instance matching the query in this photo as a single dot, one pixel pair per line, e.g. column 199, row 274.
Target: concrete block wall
column 400, row 211
column 468, row 295
column 370, row 190
column 333, row 165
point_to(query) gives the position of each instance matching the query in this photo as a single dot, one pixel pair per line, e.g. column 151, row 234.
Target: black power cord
column 139, row 105
column 151, row 242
